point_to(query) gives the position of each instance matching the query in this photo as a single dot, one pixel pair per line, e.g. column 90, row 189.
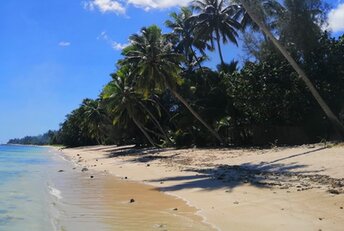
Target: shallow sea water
column 23, row 188
column 36, row 196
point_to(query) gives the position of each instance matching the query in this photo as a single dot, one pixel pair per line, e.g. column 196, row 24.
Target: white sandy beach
column 295, row 188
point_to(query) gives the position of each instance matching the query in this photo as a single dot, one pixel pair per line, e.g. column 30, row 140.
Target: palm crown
column 155, row 64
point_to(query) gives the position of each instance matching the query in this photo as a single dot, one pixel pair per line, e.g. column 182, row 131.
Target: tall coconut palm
column 215, row 22
column 124, row 104
column 94, row 118
column 157, row 66
column 250, row 7
column 182, row 27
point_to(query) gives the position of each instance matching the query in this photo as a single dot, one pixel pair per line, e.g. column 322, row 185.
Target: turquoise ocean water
column 40, row 190
column 24, row 191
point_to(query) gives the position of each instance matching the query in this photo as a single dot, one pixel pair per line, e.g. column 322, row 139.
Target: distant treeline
column 288, row 88
column 48, row 138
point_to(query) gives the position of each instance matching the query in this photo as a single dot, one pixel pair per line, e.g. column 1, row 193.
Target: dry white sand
column 294, row 188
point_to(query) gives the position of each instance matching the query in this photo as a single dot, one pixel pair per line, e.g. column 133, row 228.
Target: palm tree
column 156, row 66
column 250, row 7
column 94, row 119
column 123, row 102
column 182, row 27
column 215, row 22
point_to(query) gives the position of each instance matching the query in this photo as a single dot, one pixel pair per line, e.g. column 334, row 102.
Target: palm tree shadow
column 229, row 177
column 299, row 154
column 145, row 154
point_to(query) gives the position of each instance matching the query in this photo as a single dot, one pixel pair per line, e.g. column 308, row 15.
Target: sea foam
column 55, row 192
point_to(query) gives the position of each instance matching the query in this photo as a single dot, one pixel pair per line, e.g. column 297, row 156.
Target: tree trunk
column 194, row 113
column 337, row 125
column 197, row 59
column 140, row 126
column 156, row 123
column 219, row 46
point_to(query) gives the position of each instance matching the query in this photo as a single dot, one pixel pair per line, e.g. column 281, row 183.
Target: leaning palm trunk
column 156, row 123
column 194, row 113
column 140, row 126
column 219, row 46
column 337, row 125
column 197, row 59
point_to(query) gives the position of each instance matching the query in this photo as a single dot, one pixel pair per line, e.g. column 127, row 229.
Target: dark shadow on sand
column 144, row 154
column 299, row 154
column 230, row 176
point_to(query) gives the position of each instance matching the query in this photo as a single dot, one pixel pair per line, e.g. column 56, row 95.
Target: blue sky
column 54, row 53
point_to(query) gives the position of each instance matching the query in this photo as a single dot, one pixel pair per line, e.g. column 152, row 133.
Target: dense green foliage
column 162, row 94
column 48, row 138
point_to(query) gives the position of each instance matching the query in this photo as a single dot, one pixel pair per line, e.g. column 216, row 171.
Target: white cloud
column 157, row 4
column 336, row 18
column 119, row 6
column 103, row 36
column 119, row 46
column 64, row 44
column 105, row 6
column 115, row 45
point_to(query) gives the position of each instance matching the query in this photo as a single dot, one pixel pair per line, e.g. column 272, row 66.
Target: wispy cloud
column 336, row 18
column 104, row 6
column 64, row 44
column 157, row 4
column 115, row 45
column 120, row 6
column 119, row 46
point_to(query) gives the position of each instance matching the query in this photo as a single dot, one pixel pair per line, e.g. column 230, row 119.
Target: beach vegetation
column 288, row 88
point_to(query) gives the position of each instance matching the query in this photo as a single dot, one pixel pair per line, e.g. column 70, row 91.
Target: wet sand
column 294, row 188
column 91, row 200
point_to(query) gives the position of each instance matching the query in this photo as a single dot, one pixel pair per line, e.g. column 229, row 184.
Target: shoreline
column 104, row 201
column 289, row 188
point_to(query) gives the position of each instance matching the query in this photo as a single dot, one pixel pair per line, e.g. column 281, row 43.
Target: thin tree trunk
column 140, row 126
column 154, row 132
column 194, row 113
column 337, row 125
column 156, row 123
column 197, row 60
column 219, row 47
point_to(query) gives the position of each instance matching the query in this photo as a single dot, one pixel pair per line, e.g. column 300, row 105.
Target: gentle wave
column 55, row 192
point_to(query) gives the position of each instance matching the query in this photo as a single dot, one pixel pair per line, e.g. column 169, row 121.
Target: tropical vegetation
column 288, row 88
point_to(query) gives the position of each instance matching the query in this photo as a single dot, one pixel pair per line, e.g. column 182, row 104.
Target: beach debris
column 148, row 165
column 161, row 182
column 84, row 169
column 333, row 191
column 341, row 207
column 160, row 226
column 236, row 202
column 175, row 209
column 91, row 177
column 77, row 154
column 125, row 177
column 276, row 179
column 131, row 200
column 60, row 170
column 320, row 218
column 96, row 159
